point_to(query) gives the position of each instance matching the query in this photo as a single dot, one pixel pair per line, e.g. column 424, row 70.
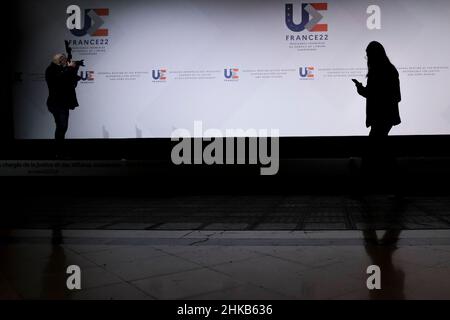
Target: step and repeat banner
column 156, row 66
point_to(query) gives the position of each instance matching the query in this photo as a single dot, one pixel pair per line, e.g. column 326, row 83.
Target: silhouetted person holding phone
column 62, row 79
column 382, row 91
column 382, row 94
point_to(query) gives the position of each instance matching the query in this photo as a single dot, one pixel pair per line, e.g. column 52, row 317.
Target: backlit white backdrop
column 197, row 42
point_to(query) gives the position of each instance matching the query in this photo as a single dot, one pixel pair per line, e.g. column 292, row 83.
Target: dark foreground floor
column 228, row 212
column 224, row 264
column 225, row 246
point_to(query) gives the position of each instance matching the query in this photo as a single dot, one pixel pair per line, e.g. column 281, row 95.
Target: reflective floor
column 227, row 212
column 201, row 264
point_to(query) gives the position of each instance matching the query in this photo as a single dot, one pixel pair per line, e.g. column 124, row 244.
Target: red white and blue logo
column 306, row 73
column 231, row 74
column 310, row 17
column 87, row 76
column 159, row 75
column 90, row 22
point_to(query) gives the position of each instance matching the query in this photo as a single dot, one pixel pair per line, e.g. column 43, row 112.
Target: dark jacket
column 382, row 95
column 61, row 82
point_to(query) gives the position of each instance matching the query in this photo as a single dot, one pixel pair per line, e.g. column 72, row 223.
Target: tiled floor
column 194, row 264
column 228, row 212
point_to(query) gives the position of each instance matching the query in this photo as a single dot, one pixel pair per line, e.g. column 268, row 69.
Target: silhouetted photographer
column 62, row 79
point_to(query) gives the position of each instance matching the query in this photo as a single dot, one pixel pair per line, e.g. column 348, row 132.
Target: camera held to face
column 79, row 63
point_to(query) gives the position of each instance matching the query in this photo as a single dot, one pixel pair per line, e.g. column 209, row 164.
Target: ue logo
column 231, row 73
column 159, row 75
column 310, row 17
column 88, row 24
column 87, row 75
column 306, row 72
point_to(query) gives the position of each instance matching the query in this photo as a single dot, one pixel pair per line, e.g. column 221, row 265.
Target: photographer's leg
column 61, row 121
column 62, row 124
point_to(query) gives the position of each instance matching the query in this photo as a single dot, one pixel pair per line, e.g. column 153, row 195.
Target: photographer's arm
column 69, row 75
